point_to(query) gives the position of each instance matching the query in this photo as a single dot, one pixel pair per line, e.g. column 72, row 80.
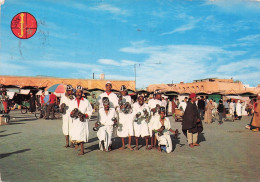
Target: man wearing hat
column 164, row 128
column 67, row 120
column 190, row 122
column 140, row 125
column 125, row 96
column 80, row 131
column 113, row 100
column 153, row 105
column 106, row 116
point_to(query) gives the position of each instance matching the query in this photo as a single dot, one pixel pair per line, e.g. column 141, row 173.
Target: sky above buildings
column 167, row 41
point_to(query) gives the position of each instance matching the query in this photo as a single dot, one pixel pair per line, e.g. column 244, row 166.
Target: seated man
column 107, row 119
column 162, row 133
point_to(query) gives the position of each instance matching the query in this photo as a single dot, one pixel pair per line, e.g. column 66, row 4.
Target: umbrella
column 57, row 88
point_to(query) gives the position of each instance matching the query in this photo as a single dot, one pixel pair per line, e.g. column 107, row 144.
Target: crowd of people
column 119, row 115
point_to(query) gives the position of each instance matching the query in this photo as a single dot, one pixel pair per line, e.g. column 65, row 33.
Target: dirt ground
column 32, row 150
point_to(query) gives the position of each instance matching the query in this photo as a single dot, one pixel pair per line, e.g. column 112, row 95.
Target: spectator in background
column 238, row 115
column 42, row 99
column 177, row 102
column 201, row 107
column 52, row 101
column 32, row 102
column 183, row 104
column 208, row 111
column 174, row 106
column 226, row 107
column 220, row 111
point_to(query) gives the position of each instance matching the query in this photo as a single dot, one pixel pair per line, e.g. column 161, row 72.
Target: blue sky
column 169, row 41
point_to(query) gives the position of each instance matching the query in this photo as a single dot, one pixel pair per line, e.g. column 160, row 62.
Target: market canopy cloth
column 57, row 88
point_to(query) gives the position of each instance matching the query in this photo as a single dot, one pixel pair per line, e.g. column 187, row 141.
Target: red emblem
column 24, row 25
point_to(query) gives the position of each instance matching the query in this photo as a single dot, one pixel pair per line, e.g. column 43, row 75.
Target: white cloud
column 250, row 38
column 236, row 6
column 2, row 2
column 240, row 66
column 116, row 63
column 178, row 62
column 191, row 25
column 111, row 9
column 13, row 69
column 109, row 62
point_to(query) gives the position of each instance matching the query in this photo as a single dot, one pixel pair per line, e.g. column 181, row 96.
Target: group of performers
column 117, row 115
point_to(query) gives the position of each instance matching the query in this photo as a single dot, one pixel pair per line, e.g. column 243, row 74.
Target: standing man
column 52, row 101
column 140, row 125
column 154, row 105
column 201, row 107
column 183, row 104
column 174, row 106
column 81, row 113
column 221, row 111
column 125, row 128
column 4, row 101
column 42, row 99
column 106, row 117
column 255, row 124
column 238, row 110
column 208, row 111
column 113, row 100
column 32, row 102
column 124, row 93
column 66, row 119
column 190, row 121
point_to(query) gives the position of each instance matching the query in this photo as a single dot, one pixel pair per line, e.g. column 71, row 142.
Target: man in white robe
column 113, row 99
column 140, row 121
column 125, row 127
column 80, row 130
column 164, row 128
column 238, row 110
column 183, row 104
column 66, row 119
column 105, row 132
column 152, row 104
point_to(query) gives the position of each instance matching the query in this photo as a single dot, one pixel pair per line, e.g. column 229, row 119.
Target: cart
column 178, row 115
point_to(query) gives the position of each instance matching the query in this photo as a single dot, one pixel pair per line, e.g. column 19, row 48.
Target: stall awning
column 24, row 91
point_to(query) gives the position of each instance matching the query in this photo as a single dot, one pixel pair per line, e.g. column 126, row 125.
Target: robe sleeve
column 88, row 109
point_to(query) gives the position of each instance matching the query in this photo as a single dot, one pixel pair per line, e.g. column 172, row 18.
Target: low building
column 207, row 86
column 41, row 81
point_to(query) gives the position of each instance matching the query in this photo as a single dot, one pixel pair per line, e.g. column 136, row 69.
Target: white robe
column 239, row 109
column 66, row 119
column 125, row 126
column 113, row 100
column 127, row 99
column 80, row 131
column 140, row 127
column 165, row 139
column 231, row 108
column 183, row 105
column 154, row 118
column 169, row 107
column 105, row 132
